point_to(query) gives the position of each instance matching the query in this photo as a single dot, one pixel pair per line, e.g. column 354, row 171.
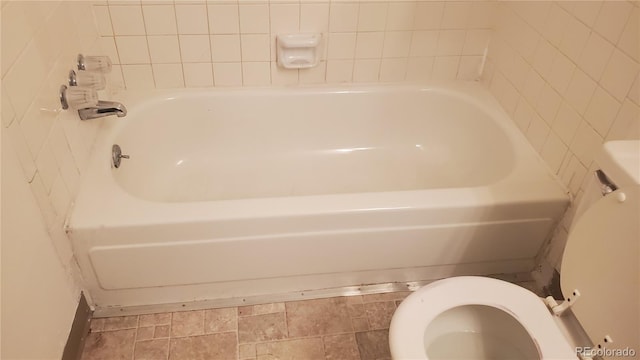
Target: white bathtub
column 236, row 193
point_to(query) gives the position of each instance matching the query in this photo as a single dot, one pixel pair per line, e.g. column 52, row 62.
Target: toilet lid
column 602, row 261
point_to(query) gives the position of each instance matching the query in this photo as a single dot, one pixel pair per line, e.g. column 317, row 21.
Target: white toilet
column 471, row 317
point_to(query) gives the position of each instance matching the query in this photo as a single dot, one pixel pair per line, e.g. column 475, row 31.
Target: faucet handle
column 78, row 97
column 94, row 63
column 89, row 79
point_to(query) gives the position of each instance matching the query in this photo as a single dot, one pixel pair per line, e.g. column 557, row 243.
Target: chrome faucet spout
column 102, row 109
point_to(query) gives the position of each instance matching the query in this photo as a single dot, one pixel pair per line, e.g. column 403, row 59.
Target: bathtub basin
column 235, row 193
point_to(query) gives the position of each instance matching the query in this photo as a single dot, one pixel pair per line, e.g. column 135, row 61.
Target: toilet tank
column 601, row 261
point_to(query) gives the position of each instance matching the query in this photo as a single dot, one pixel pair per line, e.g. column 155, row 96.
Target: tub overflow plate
column 117, row 156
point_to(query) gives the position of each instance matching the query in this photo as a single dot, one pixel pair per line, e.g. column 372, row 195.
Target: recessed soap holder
column 298, row 51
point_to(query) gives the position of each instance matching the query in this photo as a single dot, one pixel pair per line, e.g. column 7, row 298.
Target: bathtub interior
column 238, row 145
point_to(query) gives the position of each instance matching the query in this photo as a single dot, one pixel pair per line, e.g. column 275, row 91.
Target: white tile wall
column 403, row 40
column 574, row 87
column 40, row 41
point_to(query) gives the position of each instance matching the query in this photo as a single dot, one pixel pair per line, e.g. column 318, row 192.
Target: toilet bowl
column 472, row 317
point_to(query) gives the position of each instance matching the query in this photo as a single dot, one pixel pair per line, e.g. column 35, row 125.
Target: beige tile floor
column 341, row 328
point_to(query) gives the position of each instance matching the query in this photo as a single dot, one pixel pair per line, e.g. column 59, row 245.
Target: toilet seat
column 408, row 325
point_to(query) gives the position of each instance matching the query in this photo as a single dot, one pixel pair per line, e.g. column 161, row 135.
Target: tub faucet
column 103, row 108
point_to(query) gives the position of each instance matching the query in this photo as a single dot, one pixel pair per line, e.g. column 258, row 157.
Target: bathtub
column 231, row 194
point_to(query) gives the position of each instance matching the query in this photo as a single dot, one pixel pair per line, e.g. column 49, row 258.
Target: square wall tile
column 22, row 31
column 224, row 18
column 580, row 91
column 612, row 18
column 168, row 76
column 227, row 74
column 339, row 71
column 500, row 87
column 47, row 167
column 548, row 104
column 343, row 17
column 195, row 48
column 256, row 73
column 595, row 56
column 284, row 18
column 138, row 77
column 281, row 76
column 627, row 123
column 341, row 46
column 469, row 67
column 601, row 111
column 164, row 49
column 586, row 11
column 314, row 75
column 574, row 38
column 369, row 45
column 556, row 24
column 619, row 75
column 455, row 14
column 428, row 15
column 103, row 20
column 254, row 18
column 533, row 85
column 8, row 115
column 482, row 15
column 24, row 79
column 476, row 41
column 451, row 42
column 225, row 48
column 127, row 19
column 42, row 198
column 314, row 17
column 566, row 123
column 424, row 43
column 400, row 16
column 561, row 73
column 419, row 68
column 198, row 74
column 523, row 114
column 630, row 39
column 60, row 197
column 372, row 16
column 133, row 49
column 108, row 47
column 543, row 58
column 554, row 151
column 366, row 70
column 445, row 67
column 537, row 133
column 34, row 129
column 393, row 70
column 160, row 19
column 586, row 143
column 192, row 19
column 396, row 44
column 22, row 151
column 255, row 47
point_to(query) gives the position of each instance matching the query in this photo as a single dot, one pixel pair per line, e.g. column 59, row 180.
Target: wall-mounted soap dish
column 298, row 51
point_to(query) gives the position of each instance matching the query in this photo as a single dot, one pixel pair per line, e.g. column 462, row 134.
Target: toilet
column 473, row 317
